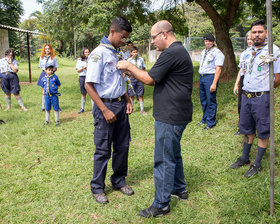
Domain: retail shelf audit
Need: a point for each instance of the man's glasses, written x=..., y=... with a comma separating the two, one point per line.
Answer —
x=154, y=36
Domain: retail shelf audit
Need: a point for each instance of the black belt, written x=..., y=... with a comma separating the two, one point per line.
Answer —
x=108, y=100
x=207, y=74
x=254, y=94
x=8, y=73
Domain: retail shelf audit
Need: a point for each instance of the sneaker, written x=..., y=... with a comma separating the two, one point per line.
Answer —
x=143, y=112
x=43, y=109
x=238, y=163
x=46, y=123
x=23, y=108
x=81, y=111
x=180, y=195
x=2, y=122
x=100, y=198
x=253, y=170
x=57, y=123
x=154, y=212
x=206, y=128
x=127, y=190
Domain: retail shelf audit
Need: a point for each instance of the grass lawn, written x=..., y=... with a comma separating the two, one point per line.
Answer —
x=45, y=171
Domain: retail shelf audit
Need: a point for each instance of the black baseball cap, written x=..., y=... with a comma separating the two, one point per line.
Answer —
x=209, y=37
x=49, y=66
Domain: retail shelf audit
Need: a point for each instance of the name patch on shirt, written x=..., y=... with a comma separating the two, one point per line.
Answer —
x=95, y=57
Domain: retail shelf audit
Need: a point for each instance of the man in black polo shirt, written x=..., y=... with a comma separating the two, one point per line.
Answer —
x=172, y=76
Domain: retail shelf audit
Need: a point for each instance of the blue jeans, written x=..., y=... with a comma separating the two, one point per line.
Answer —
x=168, y=164
x=208, y=100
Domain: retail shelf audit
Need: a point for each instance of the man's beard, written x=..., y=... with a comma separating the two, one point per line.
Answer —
x=259, y=43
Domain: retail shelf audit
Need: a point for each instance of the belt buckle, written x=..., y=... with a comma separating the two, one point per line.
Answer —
x=249, y=95
x=119, y=99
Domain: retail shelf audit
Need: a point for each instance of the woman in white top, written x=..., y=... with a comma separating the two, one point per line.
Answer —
x=81, y=68
x=47, y=58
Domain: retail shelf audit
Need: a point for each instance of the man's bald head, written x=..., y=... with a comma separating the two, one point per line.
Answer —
x=163, y=26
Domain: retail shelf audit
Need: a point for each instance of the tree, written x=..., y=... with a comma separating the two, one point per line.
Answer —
x=10, y=12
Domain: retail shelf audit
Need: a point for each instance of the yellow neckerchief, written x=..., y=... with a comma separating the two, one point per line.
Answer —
x=48, y=83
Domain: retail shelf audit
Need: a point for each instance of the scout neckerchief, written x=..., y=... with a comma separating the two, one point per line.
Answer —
x=255, y=52
x=205, y=54
x=48, y=84
x=106, y=43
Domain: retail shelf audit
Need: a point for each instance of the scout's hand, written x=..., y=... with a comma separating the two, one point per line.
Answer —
x=109, y=116
x=213, y=88
x=235, y=89
x=129, y=108
x=123, y=65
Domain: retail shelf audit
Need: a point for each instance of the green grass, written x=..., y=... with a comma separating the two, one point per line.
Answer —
x=45, y=171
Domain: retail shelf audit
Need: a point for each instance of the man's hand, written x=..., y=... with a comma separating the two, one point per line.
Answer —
x=235, y=89
x=123, y=65
x=213, y=88
x=109, y=116
x=129, y=108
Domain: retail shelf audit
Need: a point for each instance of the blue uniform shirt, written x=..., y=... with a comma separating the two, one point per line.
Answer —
x=209, y=60
x=139, y=62
x=243, y=57
x=256, y=78
x=102, y=71
x=81, y=64
x=50, y=84
x=47, y=61
x=126, y=55
x=5, y=67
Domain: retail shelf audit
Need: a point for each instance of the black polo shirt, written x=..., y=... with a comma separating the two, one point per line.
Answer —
x=173, y=75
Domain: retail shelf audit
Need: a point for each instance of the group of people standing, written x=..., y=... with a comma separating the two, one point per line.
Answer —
x=102, y=75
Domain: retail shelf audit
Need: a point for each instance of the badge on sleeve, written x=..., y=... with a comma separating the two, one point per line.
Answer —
x=95, y=57
x=259, y=68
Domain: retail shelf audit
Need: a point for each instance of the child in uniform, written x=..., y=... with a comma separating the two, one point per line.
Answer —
x=137, y=85
x=50, y=84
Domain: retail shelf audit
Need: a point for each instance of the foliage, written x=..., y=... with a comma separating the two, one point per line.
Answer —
x=46, y=171
x=10, y=12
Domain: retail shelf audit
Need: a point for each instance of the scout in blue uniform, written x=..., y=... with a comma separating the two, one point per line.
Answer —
x=239, y=79
x=211, y=62
x=106, y=86
x=10, y=82
x=81, y=68
x=127, y=55
x=254, y=114
x=50, y=85
x=47, y=58
x=138, y=86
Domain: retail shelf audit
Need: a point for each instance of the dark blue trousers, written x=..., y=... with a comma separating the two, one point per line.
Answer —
x=208, y=100
x=105, y=134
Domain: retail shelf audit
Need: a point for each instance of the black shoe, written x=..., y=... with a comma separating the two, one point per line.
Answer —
x=46, y=123
x=81, y=111
x=100, y=198
x=57, y=123
x=238, y=163
x=127, y=190
x=154, y=212
x=180, y=195
x=236, y=133
x=43, y=109
x=200, y=123
x=206, y=128
x=2, y=122
x=253, y=170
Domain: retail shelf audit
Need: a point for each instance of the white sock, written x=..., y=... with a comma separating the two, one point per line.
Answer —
x=47, y=116
x=19, y=100
x=43, y=102
x=83, y=101
x=56, y=114
x=142, y=106
x=8, y=101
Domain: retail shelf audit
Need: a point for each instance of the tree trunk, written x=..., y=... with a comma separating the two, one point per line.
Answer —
x=225, y=45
